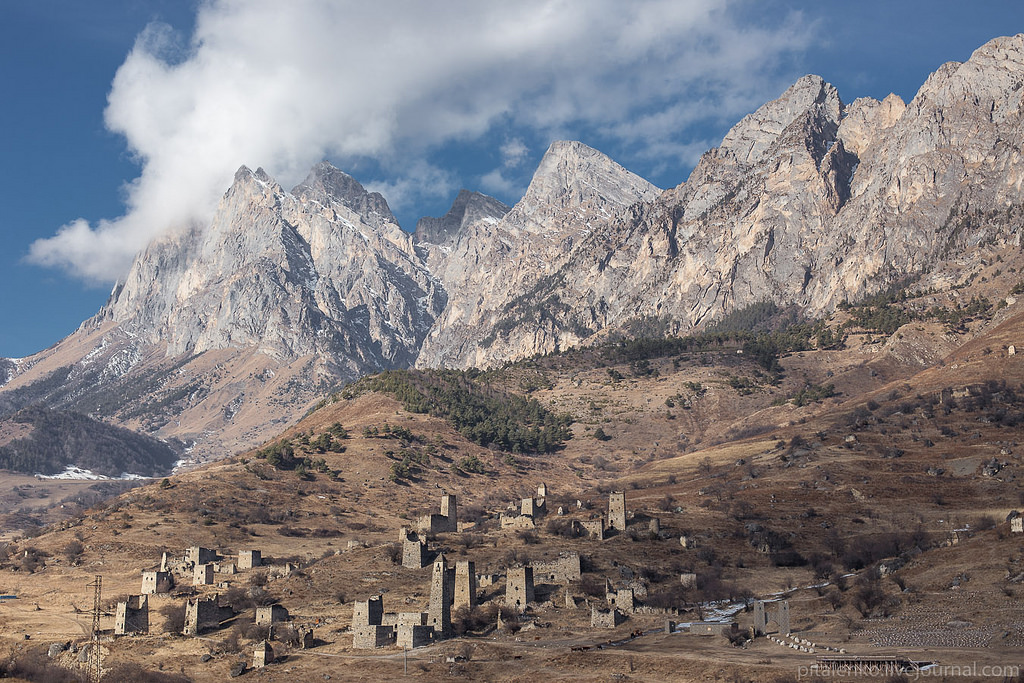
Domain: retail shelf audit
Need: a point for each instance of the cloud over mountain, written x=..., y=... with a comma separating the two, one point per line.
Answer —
x=282, y=85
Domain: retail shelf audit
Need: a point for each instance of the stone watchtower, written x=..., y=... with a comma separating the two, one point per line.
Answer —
x=617, y=510
x=442, y=588
x=519, y=587
x=369, y=612
x=450, y=510
x=465, y=585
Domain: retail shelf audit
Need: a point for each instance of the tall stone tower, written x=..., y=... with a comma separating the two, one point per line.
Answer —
x=450, y=509
x=442, y=585
x=760, y=618
x=617, y=510
x=519, y=587
x=465, y=585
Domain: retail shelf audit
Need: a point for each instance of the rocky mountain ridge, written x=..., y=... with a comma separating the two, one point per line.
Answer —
x=220, y=331
x=807, y=202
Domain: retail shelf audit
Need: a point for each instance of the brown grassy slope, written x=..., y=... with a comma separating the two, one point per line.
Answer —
x=798, y=482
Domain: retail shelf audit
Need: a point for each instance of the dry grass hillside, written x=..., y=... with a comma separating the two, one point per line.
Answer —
x=878, y=507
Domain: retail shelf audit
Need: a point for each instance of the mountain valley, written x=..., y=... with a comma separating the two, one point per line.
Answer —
x=801, y=367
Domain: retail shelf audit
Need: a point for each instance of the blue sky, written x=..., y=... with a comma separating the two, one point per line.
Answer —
x=412, y=100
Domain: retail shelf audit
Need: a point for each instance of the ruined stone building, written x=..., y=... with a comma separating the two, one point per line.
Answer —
x=197, y=555
x=368, y=612
x=594, y=528
x=446, y=522
x=156, y=582
x=250, y=559
x=622, y=598
x=414, y=550
x=271, y=614
x=412, y=630
x=533, y=507
x=202, y=614
x=566, y=569
x=605, y=618
x=132, y=615
x=368, y=630
x=517, y=521
x=203, y=575
x=414, y=635
x=262, y=655
x=519, y=587
x=1017, y=525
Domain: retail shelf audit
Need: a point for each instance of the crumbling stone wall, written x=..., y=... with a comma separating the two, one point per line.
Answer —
x=605, y=618
x=711, y=628
x=156, y=582
x=132, y=615
x=202, y=614
x=250, y=559
x=265, y=616
x=565, y=569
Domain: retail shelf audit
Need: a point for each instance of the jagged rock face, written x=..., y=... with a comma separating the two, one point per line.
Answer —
x=290, y=273
x=808, y=201
x=467, y=209
x=492, y=265
x=436, y=238
x=7, y=370
x=220, y=335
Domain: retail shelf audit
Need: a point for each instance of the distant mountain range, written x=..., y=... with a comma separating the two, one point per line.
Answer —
x=222, y=334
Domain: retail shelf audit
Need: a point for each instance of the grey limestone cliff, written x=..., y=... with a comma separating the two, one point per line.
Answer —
x=323, y=269
x=492, y=265
x=807, y=202
x=220, y=330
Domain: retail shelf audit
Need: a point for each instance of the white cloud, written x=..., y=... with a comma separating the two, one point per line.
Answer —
x=418, y=181
x=513, y=153
x=283, y=85
x=495, y=183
